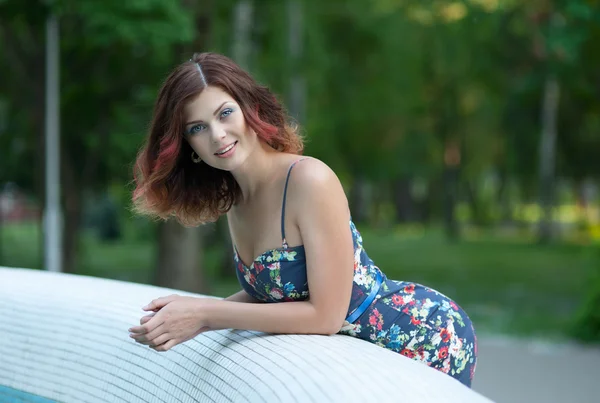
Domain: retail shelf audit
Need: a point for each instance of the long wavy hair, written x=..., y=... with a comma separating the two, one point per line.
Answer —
x=167, y=182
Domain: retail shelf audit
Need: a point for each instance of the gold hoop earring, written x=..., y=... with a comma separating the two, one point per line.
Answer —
x=196, y=158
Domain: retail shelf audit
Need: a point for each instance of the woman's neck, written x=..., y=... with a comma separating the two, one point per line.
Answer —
x=257, y=172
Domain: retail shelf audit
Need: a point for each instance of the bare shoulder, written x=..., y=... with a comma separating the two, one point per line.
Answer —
x=312, y=173
x=312, y=179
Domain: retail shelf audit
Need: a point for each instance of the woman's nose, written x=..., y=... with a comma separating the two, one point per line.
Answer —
x=218, y=133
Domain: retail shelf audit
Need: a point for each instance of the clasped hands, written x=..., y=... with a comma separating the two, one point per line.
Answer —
x=173, y=319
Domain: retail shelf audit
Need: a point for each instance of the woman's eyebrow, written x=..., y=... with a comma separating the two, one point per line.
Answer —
x=217, y=110
x=214, y=114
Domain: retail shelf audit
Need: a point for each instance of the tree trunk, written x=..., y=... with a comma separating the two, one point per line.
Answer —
x=72, y=205
x=450, y=184
x=179, y=258
x=225, y=269
x=450, y=198
x=547, y=156
x=360, y=199
x=297, y=85
x=426, y=203
x=472, y=197
x=71, y=229
x=242, y=25
x=38, y=165
x=403, y=200
x=503, y=198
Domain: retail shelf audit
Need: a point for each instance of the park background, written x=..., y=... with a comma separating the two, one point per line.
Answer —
x=465, y=132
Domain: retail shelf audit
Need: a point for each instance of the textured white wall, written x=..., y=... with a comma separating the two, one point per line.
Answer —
x=65, y=338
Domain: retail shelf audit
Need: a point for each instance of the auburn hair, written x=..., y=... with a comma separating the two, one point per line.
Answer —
x=167, y=182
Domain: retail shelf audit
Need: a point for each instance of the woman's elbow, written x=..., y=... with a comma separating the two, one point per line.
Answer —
x=331, y=325
x=327, y=321
x=330, y=331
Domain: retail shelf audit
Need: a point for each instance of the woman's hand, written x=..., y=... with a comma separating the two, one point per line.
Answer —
x=174, y=319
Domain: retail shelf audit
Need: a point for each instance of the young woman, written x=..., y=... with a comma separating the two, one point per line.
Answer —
x=219, y=144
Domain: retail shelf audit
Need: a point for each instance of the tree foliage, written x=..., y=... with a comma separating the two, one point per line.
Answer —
x=396, y=89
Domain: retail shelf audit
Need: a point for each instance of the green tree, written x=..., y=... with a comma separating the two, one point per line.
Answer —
x=113, y=54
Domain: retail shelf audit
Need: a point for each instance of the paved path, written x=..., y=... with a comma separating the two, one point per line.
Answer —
x=517, y=370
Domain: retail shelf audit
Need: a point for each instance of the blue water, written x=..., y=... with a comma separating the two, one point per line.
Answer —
x=10, y=395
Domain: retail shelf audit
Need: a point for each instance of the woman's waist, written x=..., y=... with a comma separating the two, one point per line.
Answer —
x=366, y=287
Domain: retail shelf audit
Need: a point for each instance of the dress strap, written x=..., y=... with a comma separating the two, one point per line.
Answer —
x=287, y=179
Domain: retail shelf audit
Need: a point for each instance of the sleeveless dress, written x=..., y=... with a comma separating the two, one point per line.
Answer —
x=408, y=318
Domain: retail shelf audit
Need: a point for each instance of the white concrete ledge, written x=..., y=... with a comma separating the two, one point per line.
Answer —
x=64, y=338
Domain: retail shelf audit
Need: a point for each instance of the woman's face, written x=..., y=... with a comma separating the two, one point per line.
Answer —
x=216, y=129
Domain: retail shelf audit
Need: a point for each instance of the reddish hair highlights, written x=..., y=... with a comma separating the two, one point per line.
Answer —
x=167, y=182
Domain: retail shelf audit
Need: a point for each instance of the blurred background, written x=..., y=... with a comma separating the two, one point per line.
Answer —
x=466, y=133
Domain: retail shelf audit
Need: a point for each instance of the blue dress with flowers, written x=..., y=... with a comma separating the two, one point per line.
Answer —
x=408, y=318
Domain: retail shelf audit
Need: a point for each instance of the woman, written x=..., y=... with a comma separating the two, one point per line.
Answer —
x=219, y=144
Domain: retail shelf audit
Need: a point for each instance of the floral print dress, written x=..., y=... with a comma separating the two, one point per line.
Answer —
x=408, y=318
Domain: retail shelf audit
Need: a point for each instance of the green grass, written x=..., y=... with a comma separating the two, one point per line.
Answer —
x=127, y=260
x=506, y=284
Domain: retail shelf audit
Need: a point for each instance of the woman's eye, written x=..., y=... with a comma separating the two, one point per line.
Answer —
x=226, y=112
x=196, y=129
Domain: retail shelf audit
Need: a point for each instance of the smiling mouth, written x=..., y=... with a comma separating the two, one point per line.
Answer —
x=229, y=147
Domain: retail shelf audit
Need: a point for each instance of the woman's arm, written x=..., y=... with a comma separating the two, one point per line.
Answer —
x=242, y=296
x=285, y=317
